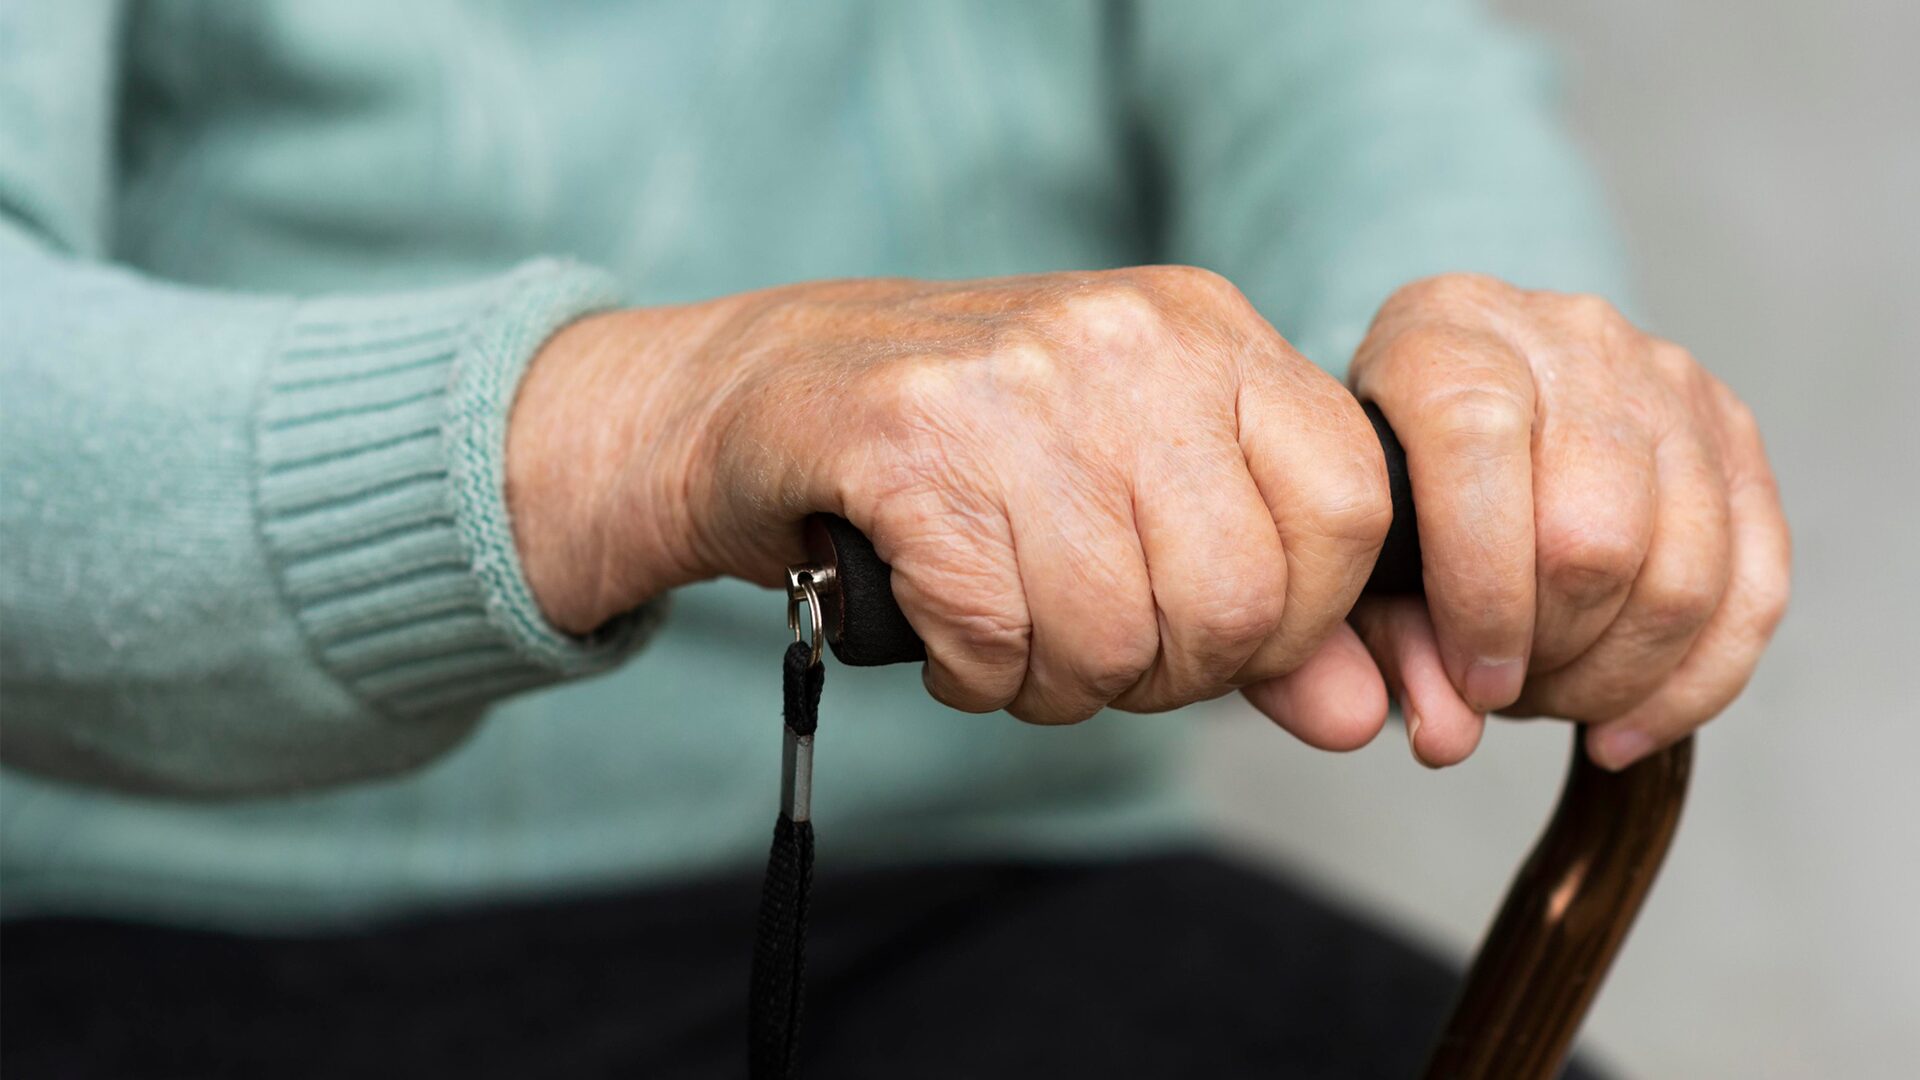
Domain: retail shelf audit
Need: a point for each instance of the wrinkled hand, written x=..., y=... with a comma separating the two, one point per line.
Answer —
x=1125, y=488
x=1111, y=488
x=1601, y=535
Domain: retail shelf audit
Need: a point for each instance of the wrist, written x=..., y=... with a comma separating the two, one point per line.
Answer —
x=604, y=442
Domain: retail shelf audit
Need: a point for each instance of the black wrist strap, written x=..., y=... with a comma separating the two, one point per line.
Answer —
x=778, y=987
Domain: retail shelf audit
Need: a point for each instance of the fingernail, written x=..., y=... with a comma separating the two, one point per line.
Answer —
x=1494, y=684
x=1617, y=748
x=1413, y=729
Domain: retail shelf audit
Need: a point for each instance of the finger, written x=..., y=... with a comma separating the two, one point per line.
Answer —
x=1217, y=568
x=1333, y=701
x=959, y=586
x=1593, y=508
x=1678, y=588
x=1089, y=599
x=1442, y=729
x=1722, y=660
x=1317, y=464
x=1463, y=405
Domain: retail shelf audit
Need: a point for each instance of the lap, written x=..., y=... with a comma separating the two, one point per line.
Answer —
x=1177, y=965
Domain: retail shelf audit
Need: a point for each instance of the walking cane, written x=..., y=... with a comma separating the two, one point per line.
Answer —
x=1543, y=959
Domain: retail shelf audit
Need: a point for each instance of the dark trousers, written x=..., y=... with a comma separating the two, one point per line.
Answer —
x=1172, y=966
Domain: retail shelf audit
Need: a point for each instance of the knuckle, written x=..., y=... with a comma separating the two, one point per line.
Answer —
x=1042, y=712
x=910, y=387
x=1356, y=508
x=1585, y=565
x=963, y=692
x=1195, y=288
x=1442, y=354
x=1491, y=608
x=1770, y=599
x=991, y=640
x=1454, y=289
x=1473, y=417
x=1113, y=663
x=1236, y=621
x=1503, y=607
x=1023, y=363
x=1677, y=365
x=1675, y=607
x=1591, y=312
x=1739, y=415
x=1182, y=278
x=1115, y=313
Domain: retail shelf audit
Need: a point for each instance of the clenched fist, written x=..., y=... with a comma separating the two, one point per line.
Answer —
x=1126, y=489
x=1601, y=535
x=1117, y=488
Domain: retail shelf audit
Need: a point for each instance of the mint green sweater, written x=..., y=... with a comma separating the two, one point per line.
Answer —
x=269, y=274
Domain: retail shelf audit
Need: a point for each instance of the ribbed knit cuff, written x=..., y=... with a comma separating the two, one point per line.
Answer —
x=381, y=443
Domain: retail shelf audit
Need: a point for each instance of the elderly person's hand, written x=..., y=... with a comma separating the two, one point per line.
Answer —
x=1601, y=535
x=1126, y=489
x=1095, y=488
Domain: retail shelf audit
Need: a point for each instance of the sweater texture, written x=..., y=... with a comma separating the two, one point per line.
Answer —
x=270, y=273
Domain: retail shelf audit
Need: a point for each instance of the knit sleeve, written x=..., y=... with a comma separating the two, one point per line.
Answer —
x=1322, y=155
x=255, y=543
x=248, y=543
x=379, y=443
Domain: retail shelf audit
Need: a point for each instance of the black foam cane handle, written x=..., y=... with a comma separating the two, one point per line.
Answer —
x=866, y=628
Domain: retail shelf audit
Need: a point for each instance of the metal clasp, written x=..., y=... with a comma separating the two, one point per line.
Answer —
x=805, y=583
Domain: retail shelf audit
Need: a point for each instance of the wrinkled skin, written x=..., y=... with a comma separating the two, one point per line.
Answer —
x=1126, y=489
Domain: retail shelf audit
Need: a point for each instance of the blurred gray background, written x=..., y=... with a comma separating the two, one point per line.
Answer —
x=1764, y=158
